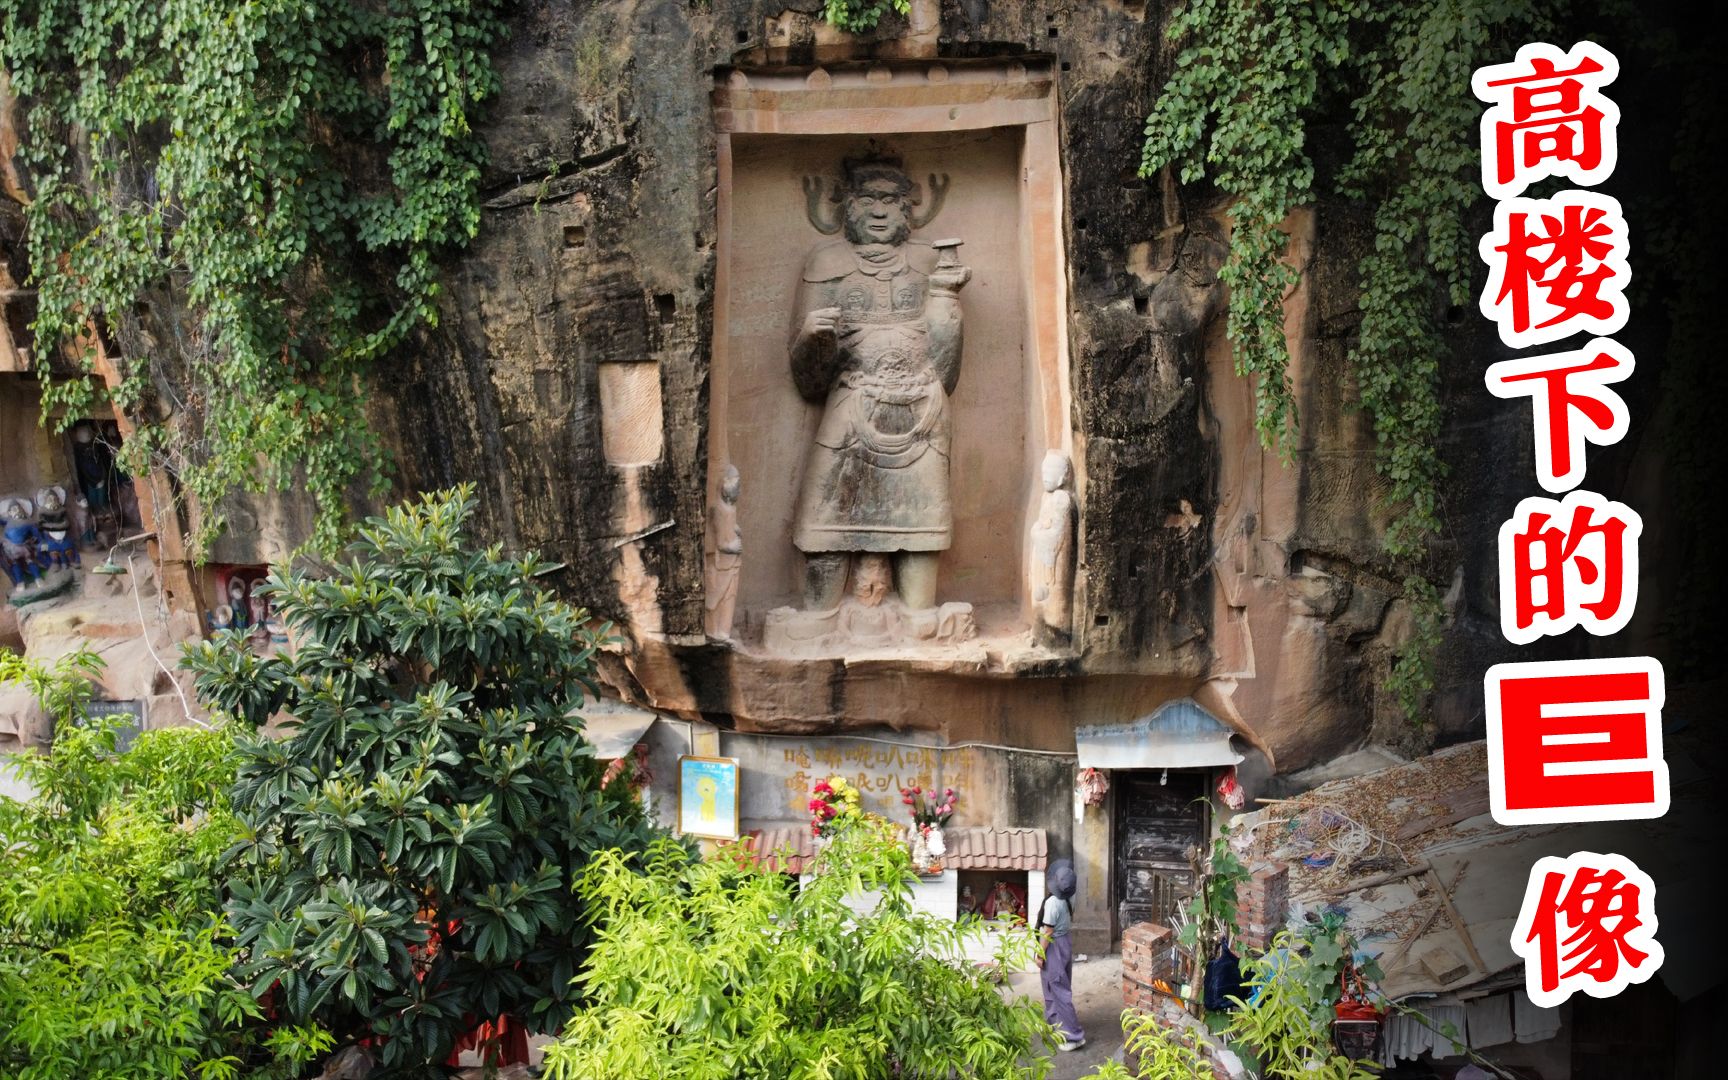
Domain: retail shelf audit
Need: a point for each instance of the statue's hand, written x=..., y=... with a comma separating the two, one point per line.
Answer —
x=820, y=323
x=949, y=279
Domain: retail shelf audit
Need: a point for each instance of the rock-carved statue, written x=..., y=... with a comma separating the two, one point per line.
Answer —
x=876, y=341
x=59, y=542
x=725, y=558
x=1051, y=569
x=18, y=542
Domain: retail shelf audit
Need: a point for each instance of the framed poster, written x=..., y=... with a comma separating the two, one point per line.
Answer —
x=708, y=797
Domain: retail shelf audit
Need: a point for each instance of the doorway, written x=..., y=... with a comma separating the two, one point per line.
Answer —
x=1159, y=815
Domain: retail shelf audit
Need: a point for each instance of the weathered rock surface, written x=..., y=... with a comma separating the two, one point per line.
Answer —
x=1206, y=567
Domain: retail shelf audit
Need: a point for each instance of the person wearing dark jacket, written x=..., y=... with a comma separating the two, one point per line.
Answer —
x=1056, y=955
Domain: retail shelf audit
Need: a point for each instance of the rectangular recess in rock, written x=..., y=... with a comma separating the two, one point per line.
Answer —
x=989, y=128
x=632, y=427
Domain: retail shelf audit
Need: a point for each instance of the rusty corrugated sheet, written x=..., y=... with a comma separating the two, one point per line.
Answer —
x=786, y=848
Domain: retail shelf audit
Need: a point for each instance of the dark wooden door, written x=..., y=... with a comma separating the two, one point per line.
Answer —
x=1156, y=824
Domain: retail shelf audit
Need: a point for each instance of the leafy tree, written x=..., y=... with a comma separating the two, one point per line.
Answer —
x=406, y=858
x=114, y=961
x=723, y=970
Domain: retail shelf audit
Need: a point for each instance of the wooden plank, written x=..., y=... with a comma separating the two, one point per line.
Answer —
x=1460, y=806
x=1457, y=921
x=1382, y=879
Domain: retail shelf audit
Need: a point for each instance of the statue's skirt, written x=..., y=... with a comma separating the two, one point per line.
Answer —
x=877, y=475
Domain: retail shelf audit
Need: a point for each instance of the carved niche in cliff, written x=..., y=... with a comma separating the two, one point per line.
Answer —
x=887, y=401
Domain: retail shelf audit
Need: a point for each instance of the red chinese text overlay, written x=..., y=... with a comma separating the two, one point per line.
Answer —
x=1588, y=924
x=1576, y=740
x=1571, y=405
x=1548, y=118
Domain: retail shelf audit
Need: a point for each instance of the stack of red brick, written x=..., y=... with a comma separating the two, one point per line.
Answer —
x=1146, y=957
x=1262, y=905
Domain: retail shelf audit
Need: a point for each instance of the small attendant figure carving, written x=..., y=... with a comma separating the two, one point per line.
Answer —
x=870, y=621
x=1051, y=571
x=725, y=558
x=876, y=341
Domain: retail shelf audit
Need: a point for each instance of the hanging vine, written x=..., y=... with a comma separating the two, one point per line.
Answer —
x=1248, y=75
x=288, y=171
x=857, y=15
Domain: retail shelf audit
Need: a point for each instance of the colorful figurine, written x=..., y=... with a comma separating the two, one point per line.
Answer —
x=58, y=545
x=18, y=543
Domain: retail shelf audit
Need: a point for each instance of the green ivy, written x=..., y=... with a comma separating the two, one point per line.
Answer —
x=1249, y=77
x=288, y=171
x=856, y=15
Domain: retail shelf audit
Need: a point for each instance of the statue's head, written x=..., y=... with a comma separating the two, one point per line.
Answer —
x=237, y=590
x=878, y=200
x=1055, y=471
x=730, y=485
x=49, y=500
x=14, y=510
x=84, y=433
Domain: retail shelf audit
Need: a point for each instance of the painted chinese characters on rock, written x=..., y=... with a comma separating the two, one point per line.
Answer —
x=879, y=771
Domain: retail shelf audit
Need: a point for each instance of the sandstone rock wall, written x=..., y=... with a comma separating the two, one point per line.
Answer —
x=569, y=379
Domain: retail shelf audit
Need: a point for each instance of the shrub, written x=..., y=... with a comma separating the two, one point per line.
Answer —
x=405, y=864
x=1287, y=1018
x=721, y=969
x=115, y=961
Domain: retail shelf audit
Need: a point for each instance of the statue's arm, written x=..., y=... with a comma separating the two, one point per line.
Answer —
x=942, y=313
x=814, y=348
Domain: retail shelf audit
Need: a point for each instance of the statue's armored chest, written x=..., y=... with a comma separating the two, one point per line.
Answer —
x=891, y=295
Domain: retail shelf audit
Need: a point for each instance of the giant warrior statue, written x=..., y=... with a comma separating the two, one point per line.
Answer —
x=876, y=341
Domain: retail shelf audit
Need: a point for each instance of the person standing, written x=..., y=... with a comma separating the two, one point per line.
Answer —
x=1056, y=955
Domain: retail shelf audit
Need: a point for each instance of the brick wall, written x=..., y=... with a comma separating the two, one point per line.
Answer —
x=1146, y=957
x=1262, y=904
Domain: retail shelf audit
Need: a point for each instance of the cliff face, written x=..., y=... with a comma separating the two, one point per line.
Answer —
x=569, y=378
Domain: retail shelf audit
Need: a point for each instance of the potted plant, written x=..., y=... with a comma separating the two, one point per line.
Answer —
x=834, y=803
x=929, y=814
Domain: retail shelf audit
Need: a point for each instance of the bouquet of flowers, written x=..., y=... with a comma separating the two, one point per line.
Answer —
x=833, y=803
x=928, y=811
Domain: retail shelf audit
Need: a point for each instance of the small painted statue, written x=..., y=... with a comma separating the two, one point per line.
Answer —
x=18, y=543
x=59, y=544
